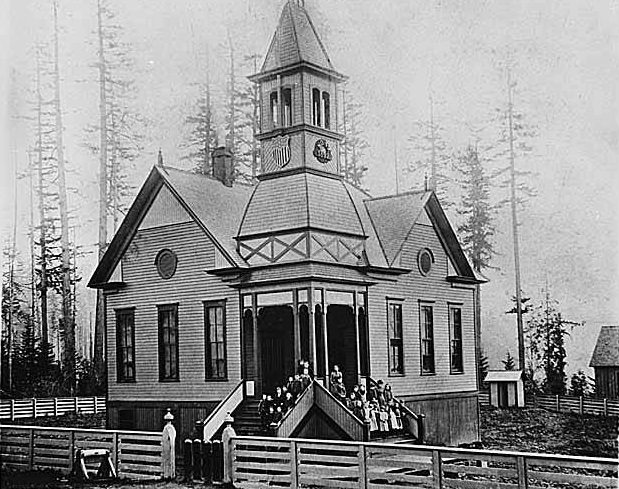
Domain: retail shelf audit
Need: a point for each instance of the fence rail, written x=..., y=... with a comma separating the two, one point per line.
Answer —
x=570, y=404
x=260, y=462
x=135, y=454
x=34, y=408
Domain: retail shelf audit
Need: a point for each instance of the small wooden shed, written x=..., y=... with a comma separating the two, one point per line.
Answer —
x=605, y=362
x=506, y=388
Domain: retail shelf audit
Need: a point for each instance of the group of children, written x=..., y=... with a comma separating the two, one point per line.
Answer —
x=377, y=406
x=272, y=408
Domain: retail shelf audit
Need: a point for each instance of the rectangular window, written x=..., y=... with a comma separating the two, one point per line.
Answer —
x=125, y=345
x=215, y=340
x=455, y=337
x=287, y=107
x=427, y=338
x=168, y=342
x=396, y=348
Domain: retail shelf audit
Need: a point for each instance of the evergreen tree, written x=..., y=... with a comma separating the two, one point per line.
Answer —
x=509, y=363
x=202, y=137
x=355, y=144
x=580, y=385
x=547, y=330
x=477, y=228
x=431, y=158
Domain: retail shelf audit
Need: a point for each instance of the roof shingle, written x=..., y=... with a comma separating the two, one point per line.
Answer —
x=606, y=353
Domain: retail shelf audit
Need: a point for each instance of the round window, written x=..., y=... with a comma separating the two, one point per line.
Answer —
x=166, y=262
x=425, y=261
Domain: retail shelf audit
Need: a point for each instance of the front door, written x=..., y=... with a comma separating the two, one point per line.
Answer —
x=276, y=326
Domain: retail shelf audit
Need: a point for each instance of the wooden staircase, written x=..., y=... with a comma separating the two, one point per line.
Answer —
x=247, y=420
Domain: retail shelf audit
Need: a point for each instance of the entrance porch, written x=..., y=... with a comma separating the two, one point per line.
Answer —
x=324, y=326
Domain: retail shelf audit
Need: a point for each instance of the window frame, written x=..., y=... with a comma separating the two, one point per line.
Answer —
x=395, y=341
x=325, y=106
x=207, y=305
x=163, y=308
x=423, y=340
x=274, y=109
x=452, y=339
x=316, y=107
x=120, y=377
x=287, y=103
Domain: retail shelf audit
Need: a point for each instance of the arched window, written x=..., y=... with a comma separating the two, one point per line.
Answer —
x=287, y=107
x=326, y=109
x=274, y=109
x=316, y=106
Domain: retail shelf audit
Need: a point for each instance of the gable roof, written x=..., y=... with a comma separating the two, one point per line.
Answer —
x=295, y=41
x=606, y=352
x=205, y=199
x=393, y=218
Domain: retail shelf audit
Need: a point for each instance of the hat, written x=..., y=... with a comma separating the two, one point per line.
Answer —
x=168, y=416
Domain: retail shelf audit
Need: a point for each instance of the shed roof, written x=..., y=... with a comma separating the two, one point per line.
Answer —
x=503, y=376
x=606, y=352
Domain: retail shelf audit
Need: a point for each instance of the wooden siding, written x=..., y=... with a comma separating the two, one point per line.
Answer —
x=165, y=210
x=412, y=288
x=189, y=287
x=607, y=382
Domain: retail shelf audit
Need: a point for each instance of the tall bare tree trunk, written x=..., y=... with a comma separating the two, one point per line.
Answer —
x=254, y=127
x=41, y=203
x=68, y=322
x=232, y=135
x=100, y=309
x=433, y=177
x=512, y=174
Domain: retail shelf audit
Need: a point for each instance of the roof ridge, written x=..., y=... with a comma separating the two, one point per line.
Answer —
x=401, y=194
x=202, y=175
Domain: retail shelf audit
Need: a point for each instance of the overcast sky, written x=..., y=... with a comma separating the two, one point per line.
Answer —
x=396, y=53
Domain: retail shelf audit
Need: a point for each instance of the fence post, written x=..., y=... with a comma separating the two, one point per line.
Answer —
x=71, y=449
x=34, y=407
x=76, y=405
x=115, y=452
x=197, y=458
x=421, y=428
x=31, y=449
x=294, y=467
x=437, y=469
x=363, y=475
x=207, y=461
x=55, y=406
x=187, y=449
x=94, y=404
x=12, y=409
x=558, y=403
x=521, y=467
x=605, y=407
x=580, y=405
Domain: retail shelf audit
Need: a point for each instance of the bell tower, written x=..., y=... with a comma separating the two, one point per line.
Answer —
x=298, y=99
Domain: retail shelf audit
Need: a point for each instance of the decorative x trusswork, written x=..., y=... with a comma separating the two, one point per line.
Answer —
x=274, y=248
x=336, y=247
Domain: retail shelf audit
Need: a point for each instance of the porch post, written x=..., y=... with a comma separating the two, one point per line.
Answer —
x=312, y=331
x=325, y=339
x=297, y=328
x=355, y=307
x=256, y=346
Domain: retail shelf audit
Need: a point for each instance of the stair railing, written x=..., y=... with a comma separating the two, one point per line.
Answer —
x=413, y=423
x=355, y=428
x=296, y=413
x=215, y=420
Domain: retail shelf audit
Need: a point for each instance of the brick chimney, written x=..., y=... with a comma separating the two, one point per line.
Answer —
x=223, y=166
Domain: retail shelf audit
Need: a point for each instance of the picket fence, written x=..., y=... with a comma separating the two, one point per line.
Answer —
x=293, y=463
x=34, y=408
x=135, y=454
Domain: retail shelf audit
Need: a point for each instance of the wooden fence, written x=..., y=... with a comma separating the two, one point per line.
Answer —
x=33, y=408
x=135, y=454
x=263, y=462
x=570, y=404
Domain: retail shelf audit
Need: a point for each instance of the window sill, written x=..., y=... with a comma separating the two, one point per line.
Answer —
x=125, y=381
x=216, y=379
x=396, y=374
x=428, y=374
x=456, y=373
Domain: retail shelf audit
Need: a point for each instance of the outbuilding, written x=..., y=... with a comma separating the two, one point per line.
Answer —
x=506, y=388
x=605, y=362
